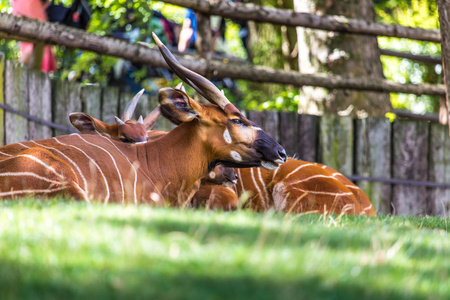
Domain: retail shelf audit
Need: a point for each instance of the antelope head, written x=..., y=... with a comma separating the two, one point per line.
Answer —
x=221, y=175
x=125, y=129
x=224, y=129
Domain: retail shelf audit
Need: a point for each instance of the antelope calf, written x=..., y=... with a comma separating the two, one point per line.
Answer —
x=296, y=186
x=93, y=167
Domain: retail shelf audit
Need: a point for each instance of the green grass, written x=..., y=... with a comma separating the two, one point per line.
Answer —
x=67, y=250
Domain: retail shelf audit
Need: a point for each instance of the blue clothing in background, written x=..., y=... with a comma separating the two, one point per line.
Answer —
x=191, y=15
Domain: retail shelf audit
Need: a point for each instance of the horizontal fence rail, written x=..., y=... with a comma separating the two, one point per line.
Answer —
x=251, y=12
x=51, y=33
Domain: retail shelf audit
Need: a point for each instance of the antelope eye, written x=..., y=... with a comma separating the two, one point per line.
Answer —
x=126, y=140
x=237, y=122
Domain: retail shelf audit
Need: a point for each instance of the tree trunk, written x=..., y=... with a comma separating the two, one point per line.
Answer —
x=342, y=54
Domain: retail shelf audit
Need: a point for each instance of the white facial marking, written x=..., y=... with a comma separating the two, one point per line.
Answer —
x=212, y=175
x=236, y=156
x=227, y=136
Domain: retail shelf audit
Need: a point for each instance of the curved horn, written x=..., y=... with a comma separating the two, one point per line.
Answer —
x=129, y=109
x=202, y=85
x=119, y=121
x=150, y=120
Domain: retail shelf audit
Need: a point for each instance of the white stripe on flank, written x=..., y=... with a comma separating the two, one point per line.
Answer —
x=266, y=196
x=352, y=187
x=302, y=166
x=93, y=162
x=29, y=174
x=38, y=161
x=275, y=172
x=238, y=171
x=322, y=193
x=46, y=191
x=23, y=145
x=6, y=154
x=68, y=158
x=134, y=169
x=256, y=185
x=313, y=177
x=115, y=165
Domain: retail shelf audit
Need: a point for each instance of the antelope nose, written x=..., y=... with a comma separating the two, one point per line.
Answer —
x=282, y=154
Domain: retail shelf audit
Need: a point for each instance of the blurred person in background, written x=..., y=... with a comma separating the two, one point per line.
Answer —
x=34, y=54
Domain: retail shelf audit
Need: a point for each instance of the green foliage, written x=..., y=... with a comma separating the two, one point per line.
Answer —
x=69, y=250
x=413, y=13
x=257, y=100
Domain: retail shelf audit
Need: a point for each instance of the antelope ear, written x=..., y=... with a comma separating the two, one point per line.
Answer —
x=87, y=124
x=177, y=106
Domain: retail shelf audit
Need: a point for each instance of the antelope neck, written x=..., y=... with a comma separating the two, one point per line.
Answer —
x=178, y=156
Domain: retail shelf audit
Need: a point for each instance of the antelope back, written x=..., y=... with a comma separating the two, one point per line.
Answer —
x=299, y=186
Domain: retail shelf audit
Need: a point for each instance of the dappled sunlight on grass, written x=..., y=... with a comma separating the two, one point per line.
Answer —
x=61, y=250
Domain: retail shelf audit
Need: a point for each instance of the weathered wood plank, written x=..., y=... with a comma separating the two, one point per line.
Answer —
x=271, y=124
x=438, y=200
x=373, y=159
x=110, y=104
x=2, y=99
x=66, y=99
x=410, y=150
x=92, y=100
x=444, y=20
x=16, y=96
x=336, y=143
x=257, y=117
x=288, y=132
x=40, y=104
x=308, y=137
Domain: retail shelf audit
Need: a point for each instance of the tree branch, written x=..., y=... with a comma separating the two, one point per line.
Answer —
x=287, y=17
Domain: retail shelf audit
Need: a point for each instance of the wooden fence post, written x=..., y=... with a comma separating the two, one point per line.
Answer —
x=91, y=96
x=288, y=132
x=66, y=99
x=110, y=105
x=438, y=200
x=444, y=20
x=271, y=122
x=40, y=103
x=16, y=96
x=410, y=161
x=308, y=137
x=2, y=99
x=204, y=40
x=373, y=159
x=336, y=143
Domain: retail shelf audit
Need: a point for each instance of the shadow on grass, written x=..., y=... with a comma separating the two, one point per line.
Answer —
x=351, y=239
x=18, y=281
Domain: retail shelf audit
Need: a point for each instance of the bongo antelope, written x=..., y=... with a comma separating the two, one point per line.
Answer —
x=93, y=167
x=296, y=186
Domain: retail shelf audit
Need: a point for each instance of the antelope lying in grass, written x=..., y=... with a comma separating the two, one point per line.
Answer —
x=93, y=167
x=130, y=131
x=296, y=186
x=125, y=129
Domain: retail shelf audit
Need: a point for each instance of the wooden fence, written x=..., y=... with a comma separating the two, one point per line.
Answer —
x=404, y=166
